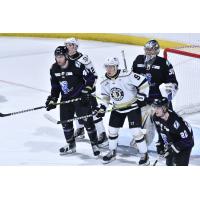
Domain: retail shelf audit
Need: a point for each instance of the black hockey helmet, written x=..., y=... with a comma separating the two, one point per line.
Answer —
x=61, y=50
x=152, y=47
x=162, y=102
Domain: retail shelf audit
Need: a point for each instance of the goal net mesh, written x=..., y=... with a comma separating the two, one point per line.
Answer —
x=186, y=63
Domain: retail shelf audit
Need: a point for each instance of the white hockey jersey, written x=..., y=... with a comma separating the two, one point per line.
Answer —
x=122, y=90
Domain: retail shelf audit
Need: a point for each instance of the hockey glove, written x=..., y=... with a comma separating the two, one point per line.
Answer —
x=159, y=148
x=170, y=149
x=100, y=111
x=86, y=96
x=141, y=100
x=50, y=103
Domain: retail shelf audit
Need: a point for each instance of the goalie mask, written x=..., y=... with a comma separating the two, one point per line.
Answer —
x=151, y=49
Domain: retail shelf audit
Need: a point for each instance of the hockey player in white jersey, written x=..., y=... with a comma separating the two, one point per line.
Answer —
x=127, y=92
x=72, y=45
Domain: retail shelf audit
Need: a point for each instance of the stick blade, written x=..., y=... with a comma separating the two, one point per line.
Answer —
x=50, y=118
x=4, y=115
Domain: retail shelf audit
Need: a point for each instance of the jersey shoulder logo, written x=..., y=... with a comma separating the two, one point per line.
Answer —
x=84, y=60
x=117, y=94
x=176, y=125
x=77, y=64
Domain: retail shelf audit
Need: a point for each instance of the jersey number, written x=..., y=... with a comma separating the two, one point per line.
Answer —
x=137, y=77
x=184, y=134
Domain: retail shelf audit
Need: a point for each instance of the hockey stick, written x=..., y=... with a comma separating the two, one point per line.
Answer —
x=50, y=118
x=144, y=120
x=99, y=98
x=124, y=59
x=36, y=108
x=156, y=161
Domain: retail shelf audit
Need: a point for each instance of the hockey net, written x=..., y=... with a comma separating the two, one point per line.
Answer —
x=186, y=63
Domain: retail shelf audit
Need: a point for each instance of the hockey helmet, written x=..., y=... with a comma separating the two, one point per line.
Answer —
x=73, y=41
x=112, y=61
x=152, y=48
x=162, y=102
x=60, y=50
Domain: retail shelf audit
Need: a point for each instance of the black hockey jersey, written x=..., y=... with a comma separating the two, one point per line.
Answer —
x=70, y=81
x=160, y=71
x=175, y=130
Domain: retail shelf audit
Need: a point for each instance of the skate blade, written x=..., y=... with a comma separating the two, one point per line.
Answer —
x=107, y=162
x=80, y=137
x=67, y=153
x=98, y=156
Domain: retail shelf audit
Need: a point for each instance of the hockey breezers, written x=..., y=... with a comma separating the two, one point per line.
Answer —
x=36, y=108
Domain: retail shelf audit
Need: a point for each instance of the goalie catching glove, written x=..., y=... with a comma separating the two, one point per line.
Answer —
x=168, y=90
x=50, y=103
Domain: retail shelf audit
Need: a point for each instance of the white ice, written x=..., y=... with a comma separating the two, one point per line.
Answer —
x=29, y=139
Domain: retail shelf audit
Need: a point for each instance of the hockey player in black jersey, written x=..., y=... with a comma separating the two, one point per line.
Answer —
x=73, y=54
x=72, y=81
x=175, y=135
x=161, y=77
x=157, y=70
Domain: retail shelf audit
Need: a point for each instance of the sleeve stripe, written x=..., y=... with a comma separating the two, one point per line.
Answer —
x=144, y=84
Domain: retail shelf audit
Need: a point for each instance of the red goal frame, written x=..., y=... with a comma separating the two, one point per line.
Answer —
x=181, y=51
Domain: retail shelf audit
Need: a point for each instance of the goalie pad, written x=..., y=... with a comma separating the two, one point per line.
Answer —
x=148, y=125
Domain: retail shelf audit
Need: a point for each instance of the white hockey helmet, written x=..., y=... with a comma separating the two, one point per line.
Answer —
x=73, y=41
x=112, y=61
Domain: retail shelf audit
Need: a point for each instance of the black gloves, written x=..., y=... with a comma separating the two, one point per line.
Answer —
x=170, y=149
x=141, y=99
x=100, y=111
x=50, y=103
x=86, y=96
x=160, y=148
x=167, y=150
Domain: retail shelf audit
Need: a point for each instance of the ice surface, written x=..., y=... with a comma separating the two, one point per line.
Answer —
x=30, y=139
